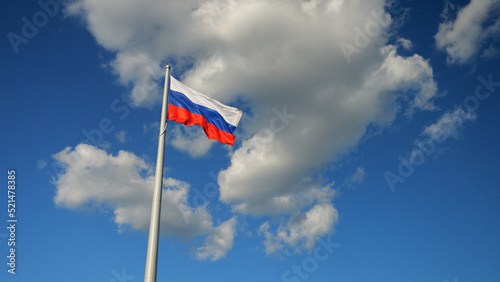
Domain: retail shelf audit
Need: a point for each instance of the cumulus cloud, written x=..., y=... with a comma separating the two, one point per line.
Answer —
x=474, y=26
x=219, y=242
x=309, y=105
x=124, y=184
x=142, y=72
x=301, y=231
x=190, y=139
x=274, y=164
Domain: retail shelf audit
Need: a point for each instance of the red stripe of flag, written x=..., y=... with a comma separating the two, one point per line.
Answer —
x=183, y=116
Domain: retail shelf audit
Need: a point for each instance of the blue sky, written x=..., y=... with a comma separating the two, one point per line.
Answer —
x=368, y=148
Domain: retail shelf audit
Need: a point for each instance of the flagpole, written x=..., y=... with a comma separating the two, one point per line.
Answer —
x=154, y=226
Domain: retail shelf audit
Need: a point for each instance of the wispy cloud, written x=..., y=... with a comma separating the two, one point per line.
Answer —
x=41, y=164
x=475, y=26
x=357, y=178
x=448, y=125
x=151, y=127
x=122, y=136
x=445, y=127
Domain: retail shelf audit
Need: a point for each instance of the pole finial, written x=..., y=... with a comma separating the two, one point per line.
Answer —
x=167, y=66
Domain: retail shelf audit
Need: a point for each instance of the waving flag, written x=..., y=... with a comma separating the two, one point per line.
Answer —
x=188, y=106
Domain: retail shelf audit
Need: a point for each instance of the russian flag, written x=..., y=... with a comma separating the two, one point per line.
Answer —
x=188, y=106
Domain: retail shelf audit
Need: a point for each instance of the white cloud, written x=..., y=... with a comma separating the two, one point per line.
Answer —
x=474, y=26
x=282, y=58
x=41, y=164
x=304, y=194
x=358, y=177
x=301, y=231
x=411, y=75
x=190, y=139
x=270, y=167
x=151, y=127
x=219, y=242
x=448, y=125
x=124, y=184
x=405, y=43
x=122, y=136
x=143, y=73
x=490, y=53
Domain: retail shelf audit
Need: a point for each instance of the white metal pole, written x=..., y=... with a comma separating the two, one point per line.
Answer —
x=154, y=226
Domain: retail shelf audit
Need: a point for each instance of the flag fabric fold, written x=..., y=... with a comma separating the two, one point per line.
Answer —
x=188, y=106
